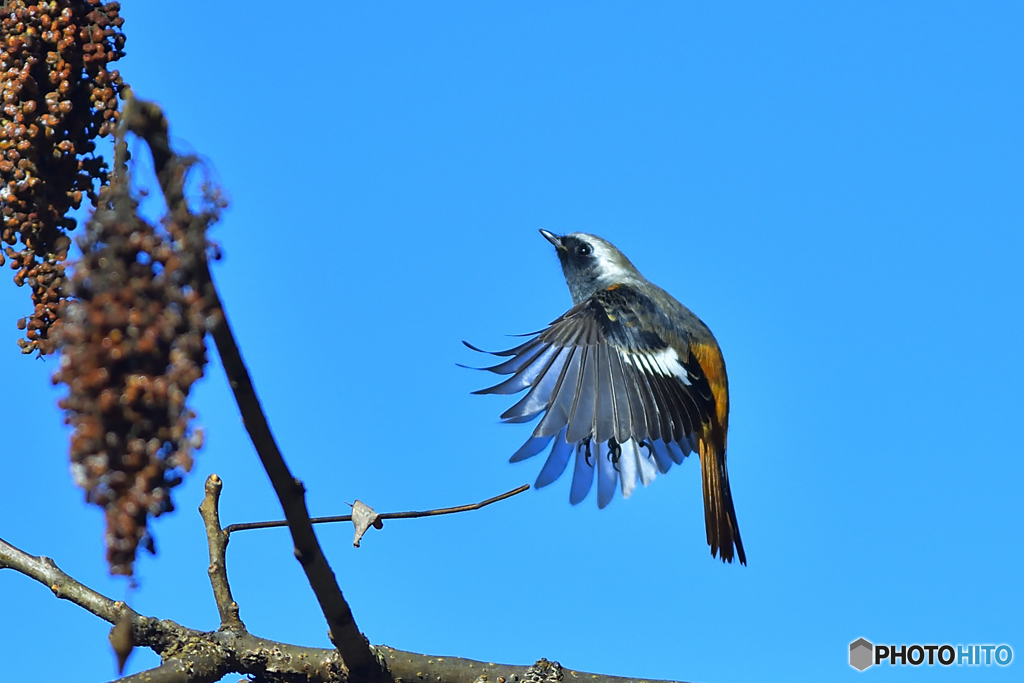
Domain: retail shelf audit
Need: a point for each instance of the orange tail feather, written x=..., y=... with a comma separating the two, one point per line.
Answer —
x=719, y=514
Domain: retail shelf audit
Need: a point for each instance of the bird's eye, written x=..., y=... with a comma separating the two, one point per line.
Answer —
x=584, y=250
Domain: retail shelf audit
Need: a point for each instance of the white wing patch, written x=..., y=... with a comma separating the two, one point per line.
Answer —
x=664, y=362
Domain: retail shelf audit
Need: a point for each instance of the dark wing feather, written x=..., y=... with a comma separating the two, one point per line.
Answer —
x=533, y=446
x=604, y=412
x=556, y=462
x=514, y=364
x=560, y=407
x=667, y=410
x=525, y=375
x=581, y=420
x=542, y=385
x=625, y=427
x=607, y=475
x=582, y=476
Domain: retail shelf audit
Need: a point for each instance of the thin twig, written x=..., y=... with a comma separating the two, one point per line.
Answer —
x=217, y=539
x=147, y=120
x=246, y=526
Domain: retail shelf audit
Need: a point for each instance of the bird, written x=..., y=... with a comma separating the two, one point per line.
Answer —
x=629, y=380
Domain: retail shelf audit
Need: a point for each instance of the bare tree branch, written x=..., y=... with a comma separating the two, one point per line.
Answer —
x=208, y=656
x=232, y=528
x=46, y=572
x=171, y=671
x=218, y=542
x=147, y=120
x=409, y=667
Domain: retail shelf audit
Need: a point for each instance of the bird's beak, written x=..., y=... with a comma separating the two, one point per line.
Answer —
x=553, y=238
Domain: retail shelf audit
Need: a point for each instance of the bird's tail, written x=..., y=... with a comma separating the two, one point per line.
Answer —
x=719, y=513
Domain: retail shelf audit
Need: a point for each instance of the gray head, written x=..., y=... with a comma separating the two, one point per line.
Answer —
x=590, y=264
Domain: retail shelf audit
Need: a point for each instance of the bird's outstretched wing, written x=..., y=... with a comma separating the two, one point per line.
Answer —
x=613, y=387
x=630, y=392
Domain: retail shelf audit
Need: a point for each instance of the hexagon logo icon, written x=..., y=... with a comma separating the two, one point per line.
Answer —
x=861, y=654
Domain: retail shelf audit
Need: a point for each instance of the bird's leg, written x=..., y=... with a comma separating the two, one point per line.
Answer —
x=646, y=443
x=614, y=452
x=584, y=445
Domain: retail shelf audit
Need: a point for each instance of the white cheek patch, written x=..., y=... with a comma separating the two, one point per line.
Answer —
x=664, y=362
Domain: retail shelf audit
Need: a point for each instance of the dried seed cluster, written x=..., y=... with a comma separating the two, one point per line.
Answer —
x=132, y=345
x=58, y=96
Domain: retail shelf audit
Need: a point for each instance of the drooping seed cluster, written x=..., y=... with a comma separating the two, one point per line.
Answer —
x=132, y=345
x=58, y=96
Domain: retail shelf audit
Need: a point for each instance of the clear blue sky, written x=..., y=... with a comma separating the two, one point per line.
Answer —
x=837, y=189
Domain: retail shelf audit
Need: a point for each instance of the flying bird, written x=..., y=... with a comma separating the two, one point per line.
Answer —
x=628, y=380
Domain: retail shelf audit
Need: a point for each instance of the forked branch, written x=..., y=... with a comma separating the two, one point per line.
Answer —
x=208, y=656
